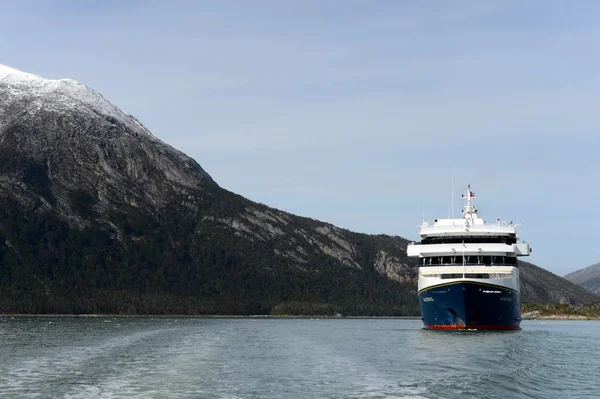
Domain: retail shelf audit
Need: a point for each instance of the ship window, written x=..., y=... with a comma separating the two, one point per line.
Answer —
x=477, y=275
x=451, y=275
x=471, y=260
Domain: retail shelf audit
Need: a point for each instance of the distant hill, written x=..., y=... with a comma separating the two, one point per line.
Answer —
x=99, y=216
x=588, y=278
x=542, y=287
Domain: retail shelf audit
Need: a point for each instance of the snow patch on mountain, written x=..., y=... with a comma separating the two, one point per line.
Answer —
x=49, y=113
x=57, y=95
x=8, y=73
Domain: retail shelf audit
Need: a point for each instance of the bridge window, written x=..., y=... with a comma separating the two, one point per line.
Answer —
x=451, y=275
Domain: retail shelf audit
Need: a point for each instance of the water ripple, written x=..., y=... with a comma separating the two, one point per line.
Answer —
x=265, y=358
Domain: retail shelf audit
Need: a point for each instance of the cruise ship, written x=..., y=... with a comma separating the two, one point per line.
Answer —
x=468, y=272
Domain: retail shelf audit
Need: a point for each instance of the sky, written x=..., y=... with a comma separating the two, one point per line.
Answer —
x=365, y=114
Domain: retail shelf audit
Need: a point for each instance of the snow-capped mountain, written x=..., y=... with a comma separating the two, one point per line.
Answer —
x=36, y=93
x=80, y=140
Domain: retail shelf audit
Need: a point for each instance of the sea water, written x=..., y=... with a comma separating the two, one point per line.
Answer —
x=114, y=357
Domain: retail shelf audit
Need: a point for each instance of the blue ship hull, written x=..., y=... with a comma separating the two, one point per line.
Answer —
x=465, y=305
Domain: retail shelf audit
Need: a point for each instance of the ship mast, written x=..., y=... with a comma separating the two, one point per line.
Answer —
x=469, y=208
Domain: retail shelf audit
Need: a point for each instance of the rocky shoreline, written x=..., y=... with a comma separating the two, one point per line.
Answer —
x=537, y=315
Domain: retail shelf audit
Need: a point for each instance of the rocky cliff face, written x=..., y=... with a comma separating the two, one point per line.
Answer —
x=98, y=215
x=588, y=278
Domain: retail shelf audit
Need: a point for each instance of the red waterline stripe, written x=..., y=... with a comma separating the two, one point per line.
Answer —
x=455, y=327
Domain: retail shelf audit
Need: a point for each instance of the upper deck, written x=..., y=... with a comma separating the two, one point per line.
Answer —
x=460, y=227
x=471, y=232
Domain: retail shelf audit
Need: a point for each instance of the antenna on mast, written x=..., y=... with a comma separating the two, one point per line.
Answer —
x=452, y=214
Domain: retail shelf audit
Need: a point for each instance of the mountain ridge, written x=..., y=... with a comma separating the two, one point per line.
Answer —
x=588, y=278
x=97, y=215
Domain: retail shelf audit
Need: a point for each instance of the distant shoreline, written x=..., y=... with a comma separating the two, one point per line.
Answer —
x=561, y=317
x=561, y=312
x=209, y=316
